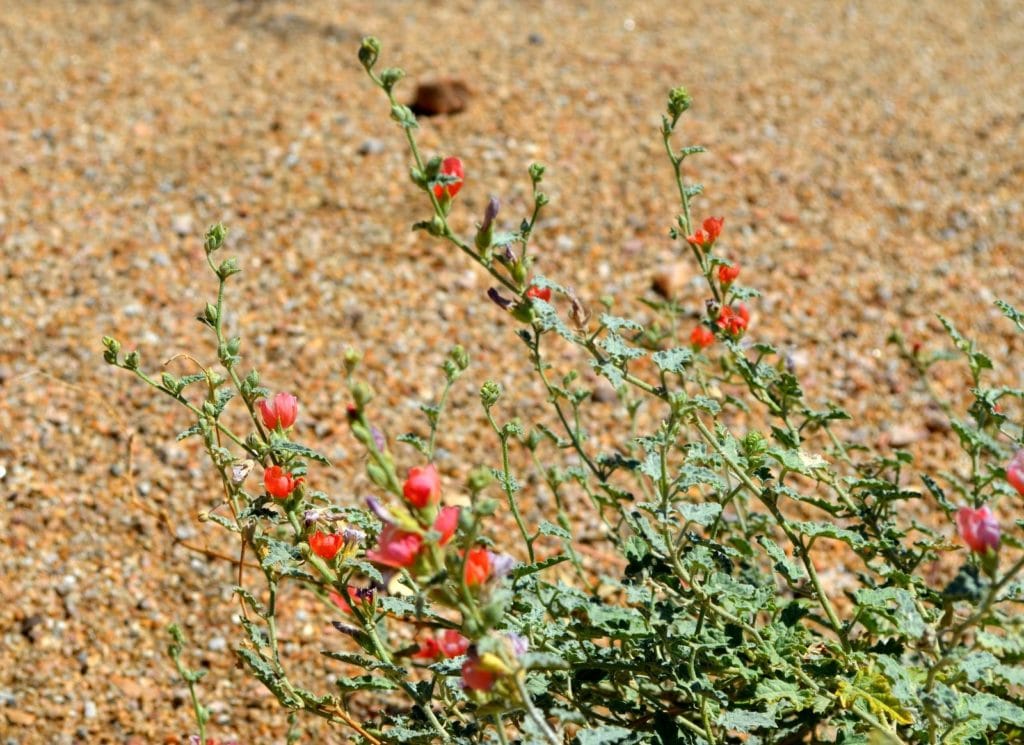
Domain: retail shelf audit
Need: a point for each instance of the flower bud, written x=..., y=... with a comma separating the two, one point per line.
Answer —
x=485, y=233
x=227, y=268
x=978, y=529
x=369, y=51
x=352, y=359
x=374, y=505
x=279, y=412
x=460, y=357
x=679, y=100
x=423, y=486
x=214, y=238
x=453, y=169
x=113, y=348
x=390, y=76
x=363, y=394
x=131, y=361
x=490, y=392
x=1015, y=472
x=499, y=300
x=478, y=479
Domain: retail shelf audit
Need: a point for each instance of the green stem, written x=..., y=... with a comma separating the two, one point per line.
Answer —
x=435, y=423
x=198, y=412
x=534, y=714
x=510, y=494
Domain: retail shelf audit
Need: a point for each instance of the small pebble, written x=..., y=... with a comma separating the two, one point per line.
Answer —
x=371, y=146
x=182, y=225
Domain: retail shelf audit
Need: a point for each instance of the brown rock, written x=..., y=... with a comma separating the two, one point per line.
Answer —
x=20, y=718
x=604, y=393
x=669, y=282
x=440, y=97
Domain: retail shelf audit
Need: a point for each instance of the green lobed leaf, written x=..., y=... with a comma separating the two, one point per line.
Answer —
x=365, y=683
x=673, y=360
x=740, y=720
x=524, y=570
x=549, y=528
x=704, y=514
x=895, y=604
x=616, y=324
x=286, y=447
x=611, y=371
x=369, y=663
x=829, y=530
x=784, y=565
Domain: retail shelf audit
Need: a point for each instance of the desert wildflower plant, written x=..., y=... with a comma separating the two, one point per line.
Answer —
x=713, y=624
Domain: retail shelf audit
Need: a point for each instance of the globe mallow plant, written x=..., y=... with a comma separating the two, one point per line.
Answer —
x=710, y=621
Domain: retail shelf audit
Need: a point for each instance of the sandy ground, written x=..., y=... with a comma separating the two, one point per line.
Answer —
x=867, y=157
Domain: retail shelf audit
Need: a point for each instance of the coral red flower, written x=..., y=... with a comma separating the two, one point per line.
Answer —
x=541, y=293
x=429, y=649
x=705, y=238
x=450, y=167
x=452, y=643
x=978, y=528
x=423, y=486
x=326, y=545
x=280, y=411
x=478, y=566
x=734, y=322
x=698, y=240
x=728, y=274
x=702, y=337
x=446, y=523
x=279, y=482
x=475, y=677
x=713, y=227
x=396, y=548
x=1015, y=472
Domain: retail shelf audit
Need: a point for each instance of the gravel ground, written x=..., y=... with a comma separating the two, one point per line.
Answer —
x=867, y=157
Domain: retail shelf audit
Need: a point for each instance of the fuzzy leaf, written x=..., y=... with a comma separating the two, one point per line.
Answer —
x=895, y=604
x=287, y=447
x=784, y=565
x=549, y=528
x=703, y=514
x=739, y=720
x=828, y=530
x=673, y=360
